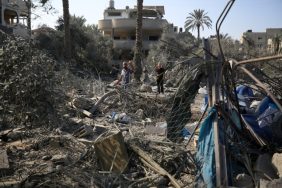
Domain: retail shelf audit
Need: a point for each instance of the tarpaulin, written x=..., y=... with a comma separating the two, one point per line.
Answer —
x=205, y=157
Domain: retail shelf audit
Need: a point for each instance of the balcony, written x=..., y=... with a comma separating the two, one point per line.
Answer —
x=17, y=5
x=148, y=24
x=130, y=44
x=105, y=24
x=124, y=44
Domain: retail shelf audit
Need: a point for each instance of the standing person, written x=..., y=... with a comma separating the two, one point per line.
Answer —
x=125, y=76
x=160, y=78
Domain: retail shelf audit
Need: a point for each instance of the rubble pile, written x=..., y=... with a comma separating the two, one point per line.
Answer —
x=60, y=130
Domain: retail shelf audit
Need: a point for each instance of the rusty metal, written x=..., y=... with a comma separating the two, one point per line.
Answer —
x=220, y=21
x=255, y=60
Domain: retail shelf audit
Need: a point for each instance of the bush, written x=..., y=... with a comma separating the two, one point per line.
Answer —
x=26, y=81
x=90, y=50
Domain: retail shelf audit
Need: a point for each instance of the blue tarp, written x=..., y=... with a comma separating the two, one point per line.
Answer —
x=205, y=157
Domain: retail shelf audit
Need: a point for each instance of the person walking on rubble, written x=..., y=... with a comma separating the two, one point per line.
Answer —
x=160, y=77
x=126, y=73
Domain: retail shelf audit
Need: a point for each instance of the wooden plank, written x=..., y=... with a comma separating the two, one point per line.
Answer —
x=153, y=165
x=111, y=153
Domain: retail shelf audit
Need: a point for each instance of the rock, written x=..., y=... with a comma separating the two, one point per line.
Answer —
x=46, y=157
x=140, y=113
x=59, y=167
x=277, y=162
x=244, y=180
x=83, y=103
x=146, y=88
x=60, y=159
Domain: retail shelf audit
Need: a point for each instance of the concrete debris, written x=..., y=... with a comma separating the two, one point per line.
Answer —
x=146, y=88
x=277, y=162
x=4, y=162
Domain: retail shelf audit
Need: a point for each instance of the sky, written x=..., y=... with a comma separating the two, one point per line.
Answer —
x=256, y=15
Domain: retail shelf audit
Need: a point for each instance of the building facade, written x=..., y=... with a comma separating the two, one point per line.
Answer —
x=120, y=25
x=270, y=40
x=13, y=17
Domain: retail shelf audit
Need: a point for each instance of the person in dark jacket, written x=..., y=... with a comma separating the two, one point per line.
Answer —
x=160, y=78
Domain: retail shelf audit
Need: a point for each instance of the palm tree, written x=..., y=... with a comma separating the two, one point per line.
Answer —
x=67, y=29
x=138, y=45
x=196, y=19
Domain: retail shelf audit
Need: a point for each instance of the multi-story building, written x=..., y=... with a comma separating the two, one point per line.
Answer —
x=13, y=17
x=120, y=25
x=265, y=41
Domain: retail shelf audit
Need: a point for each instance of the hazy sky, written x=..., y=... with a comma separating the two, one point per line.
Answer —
x=245, y=14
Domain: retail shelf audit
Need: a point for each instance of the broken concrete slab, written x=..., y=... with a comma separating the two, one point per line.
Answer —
x=4, y=162
x=277, y=162
x=111, y=153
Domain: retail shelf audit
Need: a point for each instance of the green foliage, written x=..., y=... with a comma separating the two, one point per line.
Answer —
x=89, y=48
x=231, y=48
x=171, y=47
x=196, y=20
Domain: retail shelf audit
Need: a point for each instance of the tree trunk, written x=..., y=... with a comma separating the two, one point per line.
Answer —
x=198, y=30
x=138, y=45
x=28, y=3
x=67, y=42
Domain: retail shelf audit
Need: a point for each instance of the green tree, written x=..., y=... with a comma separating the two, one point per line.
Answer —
x=138, y=46
x=196, y=20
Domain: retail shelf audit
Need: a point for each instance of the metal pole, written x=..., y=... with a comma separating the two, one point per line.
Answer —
x=259, y=59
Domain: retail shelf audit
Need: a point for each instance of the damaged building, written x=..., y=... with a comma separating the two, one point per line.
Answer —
x=120, y=25
x=269, y=41
x=13, y=17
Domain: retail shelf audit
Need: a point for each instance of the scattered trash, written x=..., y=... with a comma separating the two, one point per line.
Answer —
x=120, y=118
